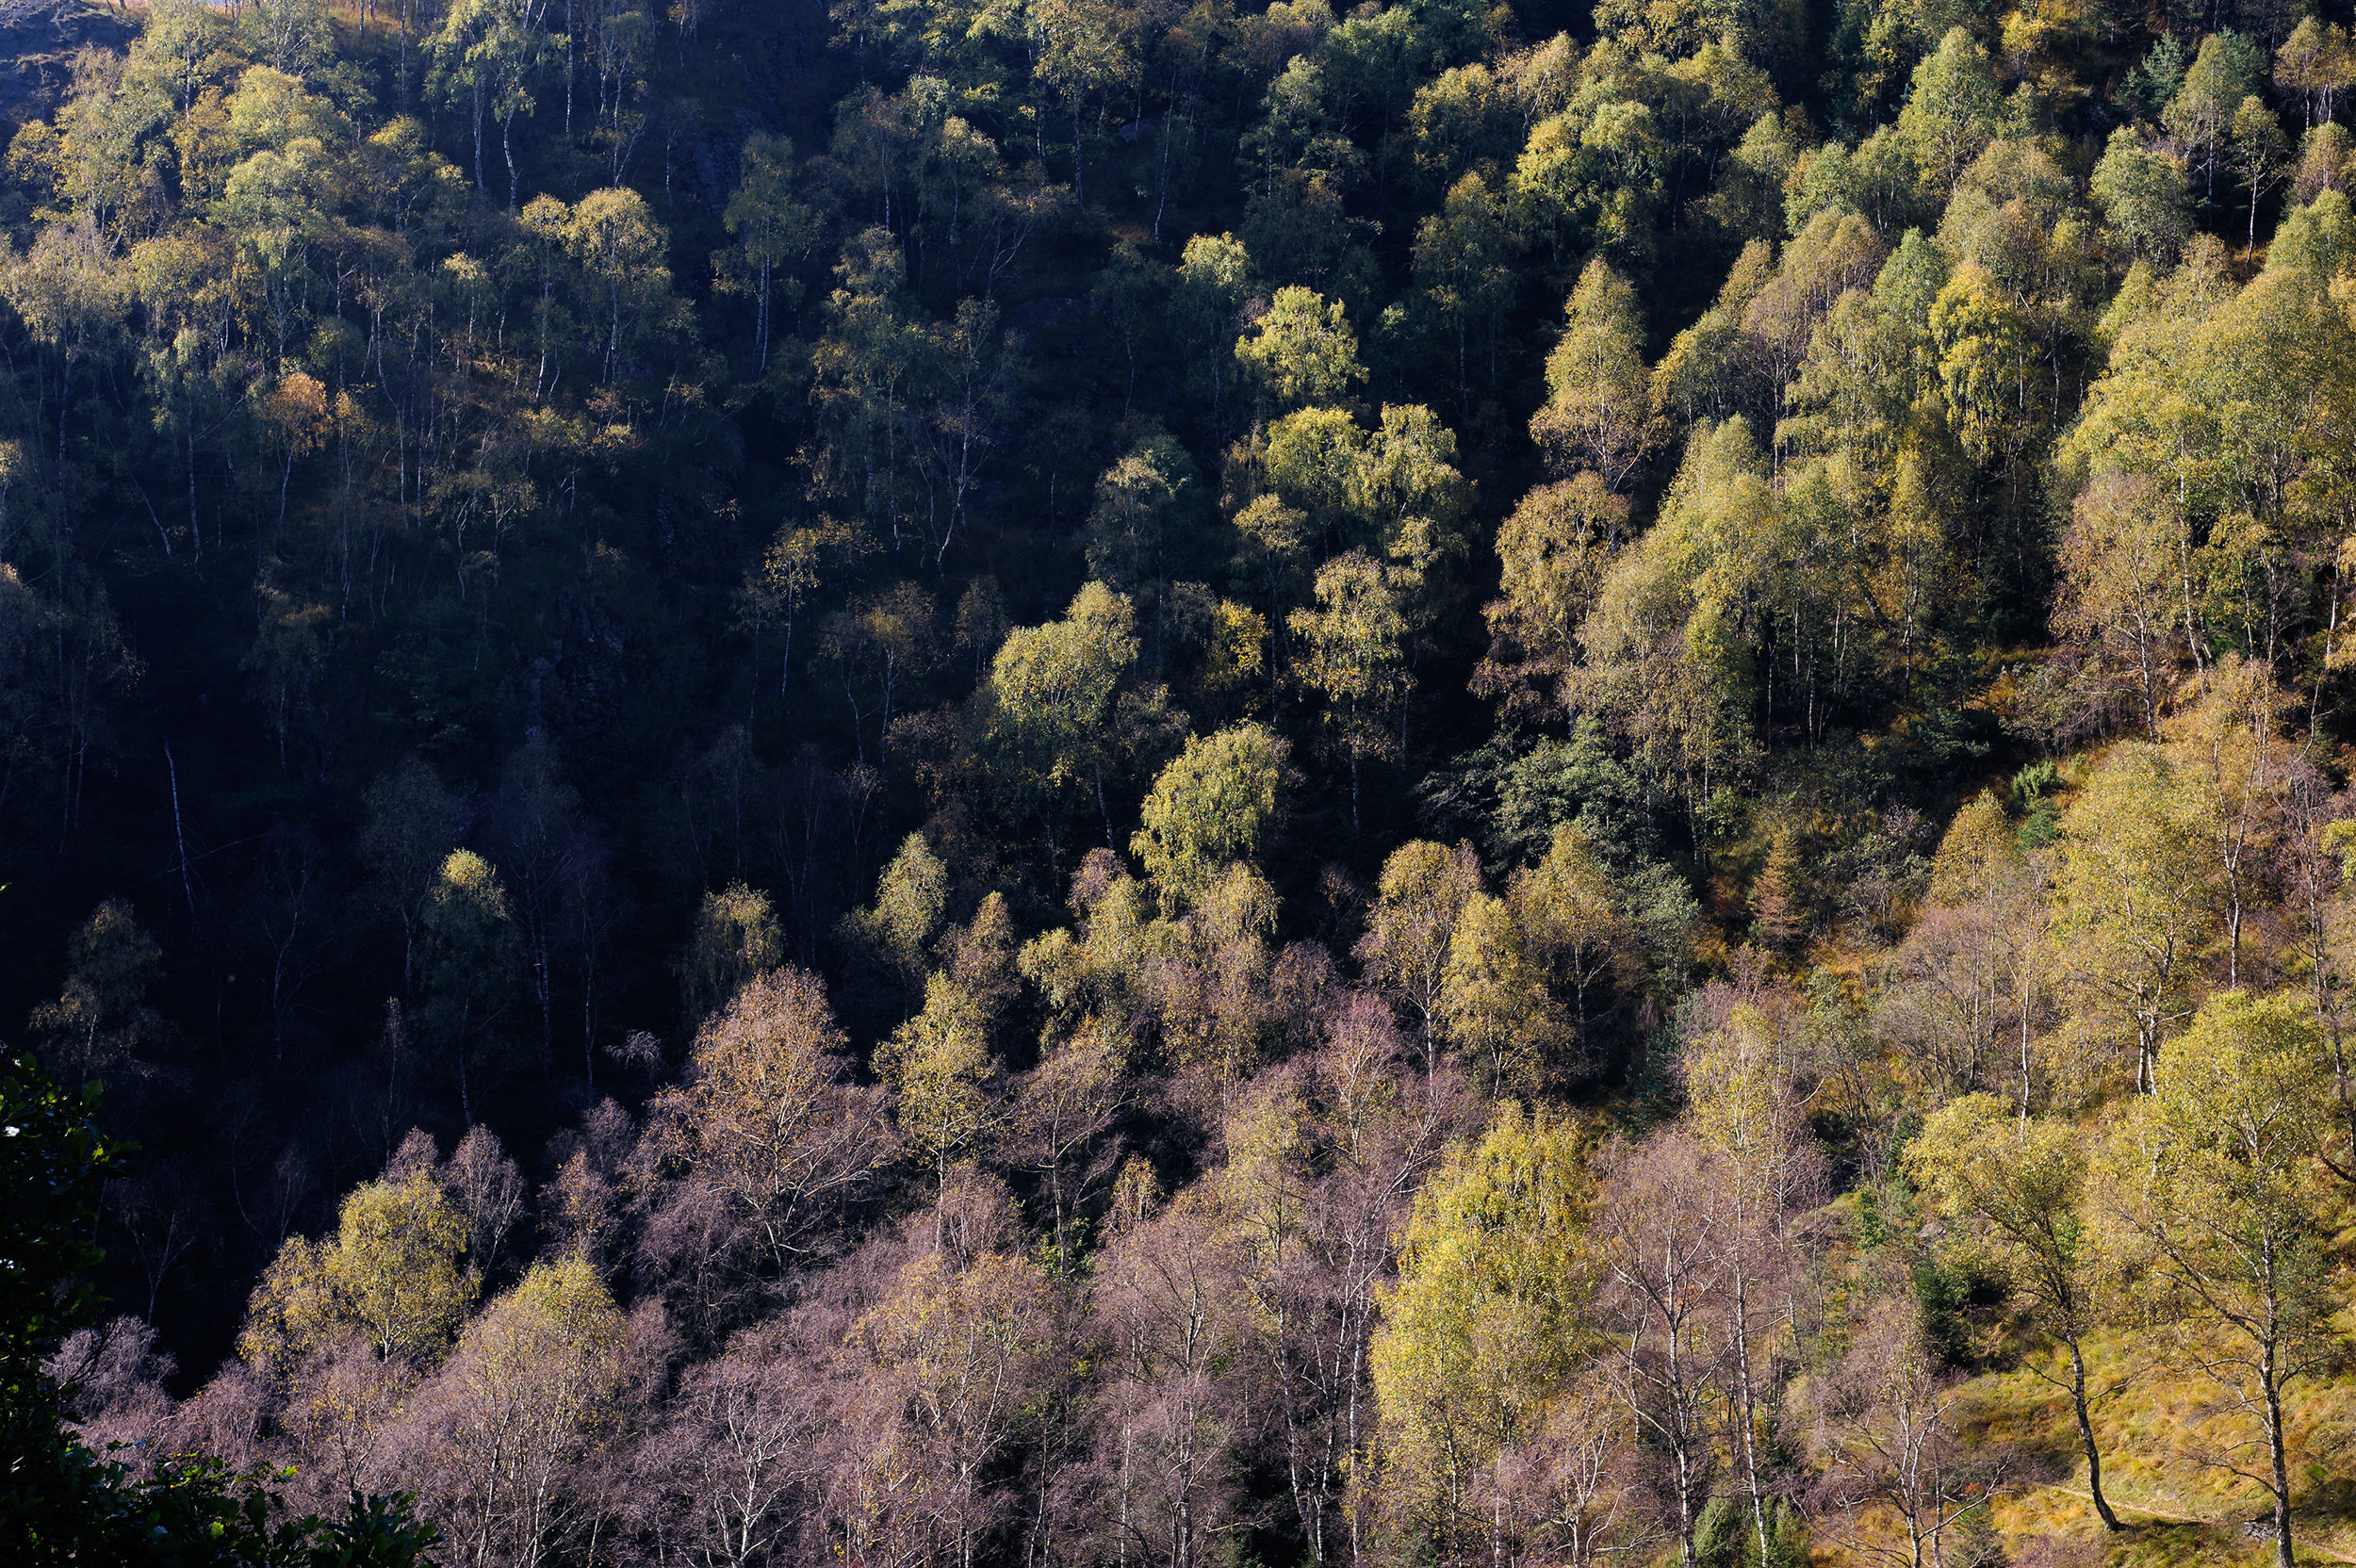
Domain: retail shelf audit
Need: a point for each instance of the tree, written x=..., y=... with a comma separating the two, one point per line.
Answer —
x=64, y=1504
x=1412, y=928
x=798, y=565
x=1493, y=997
x=2120, y=581
x=1665, y=1250
x=532, y=1388
x=770, y=226
x=940, y=1072
x=1669, y=647
x=963, y=1352
x=413, y=826
x=612, y=237
x=1572, y=920
x=1212, y=287
x=1778, y=923
x=1147, y=506
x=1323, y=1164
x=1352, y=656
x=469, y=966
x=2135, y=905
x=1170, y=1300
x=99, y=1023
x=2214, y=1176
x=2315, y=65
x=2013, y=1193
x=390, y=1274
x=1085, y=51
x=881, y=644
x=1461, y=265
x=2232, y=771
x=487, y=1190
x=1598, y=412
x=1062, y=1109
x=2261, y=157
x=1303, y=352
x=1953, y=111
x=2201, y=114
x=1884, y=1427
x=1576, y=1488
x=1971, y=983
x=770, y=1118
x=485, y=54
x=1742, y=1083
x=1553, y=548
x=1491, y=1316
x=912, y=899
x=2144, y=196
x=1209, y=807
x=736, y=939
x=1052, y=687
x=742, y=1449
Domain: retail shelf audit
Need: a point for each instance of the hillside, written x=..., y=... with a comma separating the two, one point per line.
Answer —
x=1085, y=781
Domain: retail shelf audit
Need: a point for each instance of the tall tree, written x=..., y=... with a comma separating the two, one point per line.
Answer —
x=2214, y=1176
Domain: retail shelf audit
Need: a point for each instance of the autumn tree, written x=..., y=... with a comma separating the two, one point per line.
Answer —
x=1553, y=549
x=1746, y=1096
x=940, y=1072
x=413, y=826
x=1412, y=928
x=1599, y=409
x=1665, y=1250
x=1350, y=655
x=533, y=1387
x=769, y=1119
x=736, y=938
x=771, y=227
x=2133, y=903
x=1169, y=1301
x=390, y=1273
x=958, y=1355
x=1496, y=1003
x=471, y=953
x=1059, y=1121
x=2015, y=1193
x=1303, y=352
x=2213, y=1180
x=1885, y=1428
x=742, y=1449
x=912, y=899
x=98, y=1023
x=1491, y=1316
x=1210, y=807
x=1053, y=688
x=1971, y=983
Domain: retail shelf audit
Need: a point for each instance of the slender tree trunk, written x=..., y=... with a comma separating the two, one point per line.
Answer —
x=1748, y=1400
x=2085, y=1435
x=2277, y=1452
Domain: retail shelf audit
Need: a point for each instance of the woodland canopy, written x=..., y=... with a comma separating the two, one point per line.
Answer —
x=1085, y=782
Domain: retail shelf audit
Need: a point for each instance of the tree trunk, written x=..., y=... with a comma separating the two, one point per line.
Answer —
x=2085, y=1436
x=2277, y=1452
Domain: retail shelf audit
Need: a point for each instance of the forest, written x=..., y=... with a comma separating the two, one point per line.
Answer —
x=1178, y=783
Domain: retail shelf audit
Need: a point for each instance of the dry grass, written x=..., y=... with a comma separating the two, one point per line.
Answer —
x=2160, y=1433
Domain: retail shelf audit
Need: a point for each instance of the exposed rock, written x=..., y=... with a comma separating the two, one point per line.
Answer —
x=39, y=40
